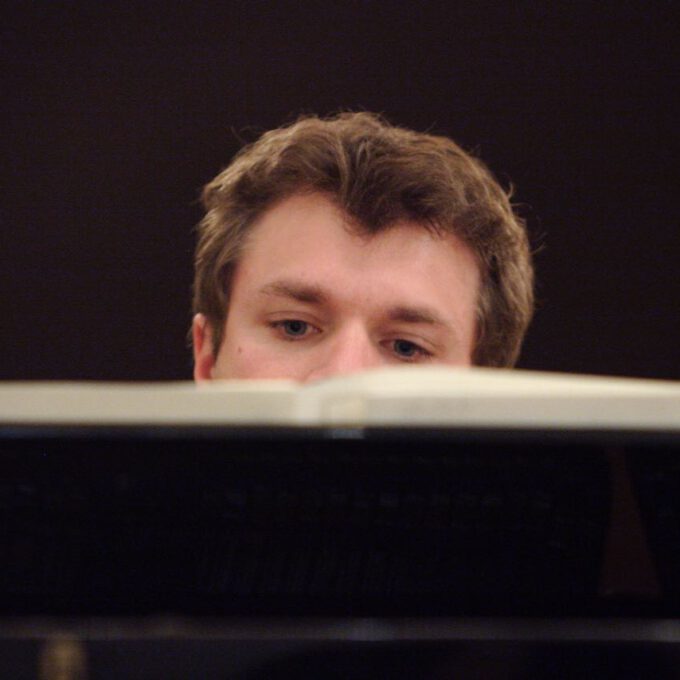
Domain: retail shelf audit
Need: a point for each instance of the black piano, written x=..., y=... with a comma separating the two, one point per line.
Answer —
x=395, y=524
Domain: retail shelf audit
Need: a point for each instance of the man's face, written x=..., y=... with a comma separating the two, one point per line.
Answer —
x=310, y=298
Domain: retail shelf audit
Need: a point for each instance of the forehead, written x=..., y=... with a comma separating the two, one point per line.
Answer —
x=307, y=238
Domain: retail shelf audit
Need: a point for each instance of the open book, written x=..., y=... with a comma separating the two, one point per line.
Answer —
x=432, y=396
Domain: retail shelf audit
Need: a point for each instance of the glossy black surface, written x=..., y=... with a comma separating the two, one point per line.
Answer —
x=326, y=522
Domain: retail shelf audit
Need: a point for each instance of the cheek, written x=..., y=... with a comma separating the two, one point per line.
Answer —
x=248, y=351
x=253, y=360
x=240, y=361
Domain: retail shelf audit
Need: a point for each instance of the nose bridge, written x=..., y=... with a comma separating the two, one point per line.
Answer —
x=350, y=350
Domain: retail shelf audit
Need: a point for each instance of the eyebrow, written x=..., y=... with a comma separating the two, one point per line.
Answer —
x=313, y=294
x=301, y=292
x=415, y=315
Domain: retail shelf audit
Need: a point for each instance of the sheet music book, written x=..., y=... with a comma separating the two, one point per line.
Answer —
x=428, y=396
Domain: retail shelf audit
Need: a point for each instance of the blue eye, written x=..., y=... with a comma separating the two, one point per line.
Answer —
x=406, y=349
x=294, y=327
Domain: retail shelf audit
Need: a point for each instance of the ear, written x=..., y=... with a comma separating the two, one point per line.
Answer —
x=204, y=359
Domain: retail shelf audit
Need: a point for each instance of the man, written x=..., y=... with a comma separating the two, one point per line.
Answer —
x=334, y=245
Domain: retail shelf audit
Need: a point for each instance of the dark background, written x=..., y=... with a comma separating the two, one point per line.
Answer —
x=114, y=117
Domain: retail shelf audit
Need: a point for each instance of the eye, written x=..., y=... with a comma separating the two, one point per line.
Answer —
x=405, y=349
x=292, y=329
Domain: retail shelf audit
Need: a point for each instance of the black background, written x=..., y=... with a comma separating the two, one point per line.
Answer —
x=113, y=117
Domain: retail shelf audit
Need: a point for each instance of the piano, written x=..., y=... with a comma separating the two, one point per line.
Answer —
x=411, y=522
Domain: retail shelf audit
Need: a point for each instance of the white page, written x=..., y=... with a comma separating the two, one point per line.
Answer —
x=395, y=396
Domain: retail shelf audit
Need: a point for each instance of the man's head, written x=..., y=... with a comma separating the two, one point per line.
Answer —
x=351, y=235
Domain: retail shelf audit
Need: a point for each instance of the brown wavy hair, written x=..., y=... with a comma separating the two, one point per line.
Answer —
x=377, y=174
